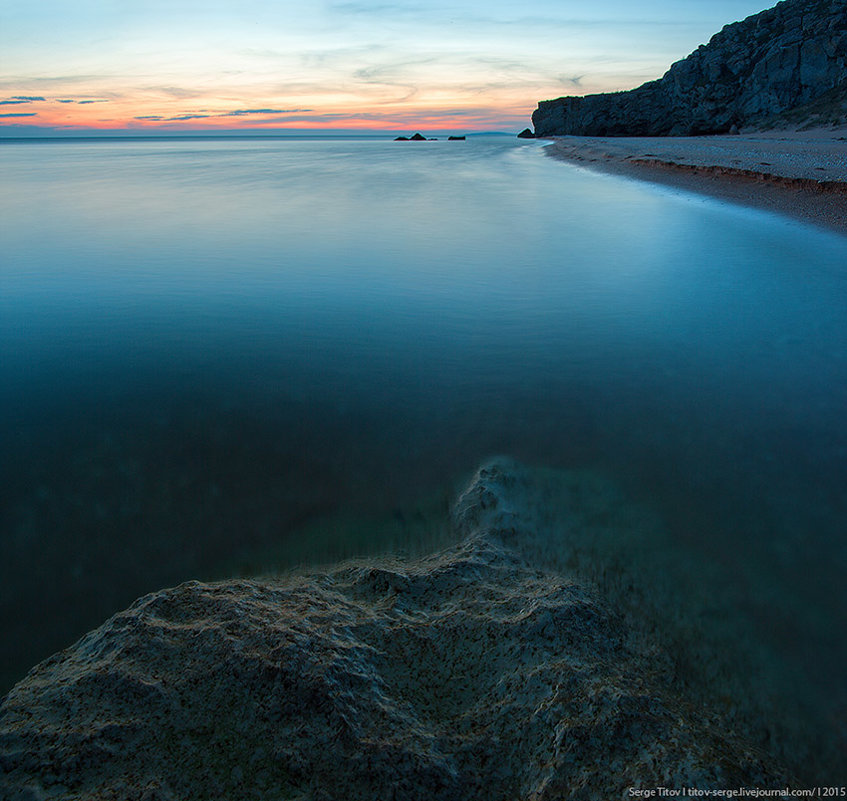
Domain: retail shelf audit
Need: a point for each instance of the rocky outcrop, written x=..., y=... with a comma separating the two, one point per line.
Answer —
x=753, y=73
x=466, y=675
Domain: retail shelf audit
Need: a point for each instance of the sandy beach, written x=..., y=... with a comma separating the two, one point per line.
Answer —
x=800, y=174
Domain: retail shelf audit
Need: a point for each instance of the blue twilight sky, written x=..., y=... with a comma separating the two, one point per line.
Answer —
x=433, y=64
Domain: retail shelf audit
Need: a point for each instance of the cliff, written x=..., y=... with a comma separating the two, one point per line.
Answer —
x=786, y=65
x=469, y=674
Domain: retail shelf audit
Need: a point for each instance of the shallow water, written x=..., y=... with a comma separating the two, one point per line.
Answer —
x=230, y=355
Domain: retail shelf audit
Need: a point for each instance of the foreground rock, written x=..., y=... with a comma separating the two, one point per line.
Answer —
x=465, y=675
x=784, y=66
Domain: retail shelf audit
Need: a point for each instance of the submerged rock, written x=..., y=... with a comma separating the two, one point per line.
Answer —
x=468, y=674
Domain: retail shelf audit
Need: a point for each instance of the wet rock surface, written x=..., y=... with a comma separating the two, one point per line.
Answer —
x=468, y=674
x=784, y=66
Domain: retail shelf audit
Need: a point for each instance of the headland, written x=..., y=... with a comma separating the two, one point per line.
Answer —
x=758, y=115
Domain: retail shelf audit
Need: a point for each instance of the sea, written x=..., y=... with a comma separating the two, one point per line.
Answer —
x=242, y=356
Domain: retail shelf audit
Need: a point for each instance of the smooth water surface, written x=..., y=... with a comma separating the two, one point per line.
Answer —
x=211, y=349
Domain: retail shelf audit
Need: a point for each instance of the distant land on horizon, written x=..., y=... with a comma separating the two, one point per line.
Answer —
x=9, y=133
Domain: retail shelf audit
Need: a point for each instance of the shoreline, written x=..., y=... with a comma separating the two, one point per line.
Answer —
x=800, y=175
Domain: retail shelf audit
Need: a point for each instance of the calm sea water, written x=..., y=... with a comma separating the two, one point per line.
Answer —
x=218, y=354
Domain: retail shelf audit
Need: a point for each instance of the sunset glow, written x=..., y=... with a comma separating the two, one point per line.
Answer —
x=182, y=65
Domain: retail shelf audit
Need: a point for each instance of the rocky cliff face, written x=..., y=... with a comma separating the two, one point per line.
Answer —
x=786, y=64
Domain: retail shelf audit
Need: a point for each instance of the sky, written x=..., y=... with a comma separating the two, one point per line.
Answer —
x=430, y=65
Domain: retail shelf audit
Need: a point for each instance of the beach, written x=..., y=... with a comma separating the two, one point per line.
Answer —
x=800, y=174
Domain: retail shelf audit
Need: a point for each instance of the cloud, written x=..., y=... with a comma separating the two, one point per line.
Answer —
x=392, y=69
x=340, y=57
x=15, y=82
x=378, y=9
x=575, y=80
x=19, y=100
x=238, y=113
x=391, y=75
x=179, y=92
x=80, y=102
x=399, y=119
x=242, y=112
x=31, y=114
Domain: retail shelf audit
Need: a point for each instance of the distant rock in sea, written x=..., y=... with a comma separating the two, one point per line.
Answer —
x=456, y=138
x=466, y=675
x=784, y=66
x=526, y=133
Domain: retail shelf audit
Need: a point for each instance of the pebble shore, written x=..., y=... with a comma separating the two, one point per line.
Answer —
x=799, y=174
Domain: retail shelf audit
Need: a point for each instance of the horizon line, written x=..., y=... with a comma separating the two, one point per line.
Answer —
x=8, y=132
